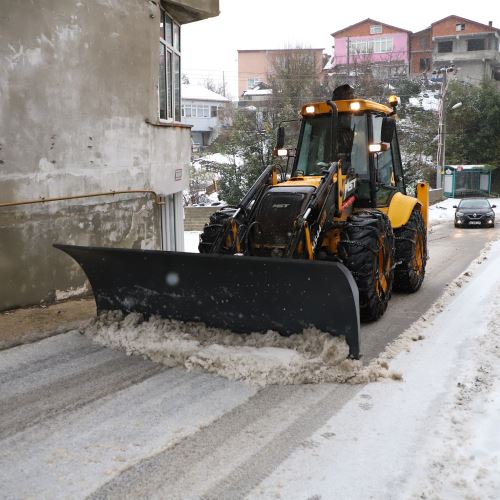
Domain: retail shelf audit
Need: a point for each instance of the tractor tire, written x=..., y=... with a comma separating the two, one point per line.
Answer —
x=212, y=229
x=367, y=249
x=411, y=254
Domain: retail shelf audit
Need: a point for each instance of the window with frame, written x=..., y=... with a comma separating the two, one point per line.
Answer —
x=252, y=82
x=375, y=46
x=476, y=44
x=425, y=64
x=375, y=29
x=213, y=111
x=460, y=27
x=169, y=88
x=196, y=110
x=424, y=42
x=445, y=46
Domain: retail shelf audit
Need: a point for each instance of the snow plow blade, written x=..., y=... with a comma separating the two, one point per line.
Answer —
x=239, y=293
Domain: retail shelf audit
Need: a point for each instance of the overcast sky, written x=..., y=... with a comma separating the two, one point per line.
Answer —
x=209, y=47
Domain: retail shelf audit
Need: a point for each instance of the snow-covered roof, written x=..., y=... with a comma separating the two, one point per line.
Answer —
x=258, y=92
x=197, y=92
x=219, y=158
x=470, y=167
x=260, y=88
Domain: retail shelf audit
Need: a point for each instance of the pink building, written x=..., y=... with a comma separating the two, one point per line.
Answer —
x=384, y=47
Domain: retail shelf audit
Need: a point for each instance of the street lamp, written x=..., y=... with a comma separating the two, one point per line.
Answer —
x=444, y=72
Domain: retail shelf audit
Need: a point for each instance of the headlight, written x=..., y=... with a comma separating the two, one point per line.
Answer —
x=459, y=214
x=490, y=214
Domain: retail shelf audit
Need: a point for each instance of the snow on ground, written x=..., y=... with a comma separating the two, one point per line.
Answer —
x=261, y=359
x=428, y=429
x=432, y=435
x=426, y=100
x=191, y=240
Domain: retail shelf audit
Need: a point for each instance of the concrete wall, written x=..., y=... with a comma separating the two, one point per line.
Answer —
x=435, y=195
x=474, y=66
x=79, y=114
x=32, y=271
x=195, y=218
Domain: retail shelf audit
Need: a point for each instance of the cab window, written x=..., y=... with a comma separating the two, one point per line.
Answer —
x=314, y=154
x=353, y=142
x=388, y=163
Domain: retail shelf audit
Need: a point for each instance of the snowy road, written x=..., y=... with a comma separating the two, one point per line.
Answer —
x=80, y=420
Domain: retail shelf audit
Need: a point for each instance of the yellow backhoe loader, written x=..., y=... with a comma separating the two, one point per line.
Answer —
x=321, y=243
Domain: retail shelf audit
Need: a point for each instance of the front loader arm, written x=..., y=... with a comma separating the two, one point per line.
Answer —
x=308, y=225
x=234, y=228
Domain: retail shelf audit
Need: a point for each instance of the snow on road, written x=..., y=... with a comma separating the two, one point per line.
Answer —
x=428, y=429
x=261, y=359
x=432, y=435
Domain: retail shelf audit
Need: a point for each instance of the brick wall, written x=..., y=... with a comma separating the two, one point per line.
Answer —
x=448, y=27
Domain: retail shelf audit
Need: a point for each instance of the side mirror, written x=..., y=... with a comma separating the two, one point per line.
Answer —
x=388, y=129
x=454, y=206
x=493, y=206
x=280, y=138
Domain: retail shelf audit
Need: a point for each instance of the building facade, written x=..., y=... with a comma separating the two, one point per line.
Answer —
x=204, y=111
x=255, y=66
x=373, y=45
x=390, y=52
x=421, y=52
x=92, y=148
x=472, y=47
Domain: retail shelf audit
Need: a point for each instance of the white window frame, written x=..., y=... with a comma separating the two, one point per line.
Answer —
x=170, y=109
x=375, y=29
x=373, y=46
x=253, y=81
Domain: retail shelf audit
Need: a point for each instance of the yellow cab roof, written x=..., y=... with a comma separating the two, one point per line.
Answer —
x=344, y=106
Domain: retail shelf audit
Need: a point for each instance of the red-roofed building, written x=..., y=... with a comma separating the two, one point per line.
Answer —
x=383, y=47
x=472, y=47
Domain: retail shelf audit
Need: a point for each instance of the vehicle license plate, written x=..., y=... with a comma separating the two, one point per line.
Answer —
x=475, y=222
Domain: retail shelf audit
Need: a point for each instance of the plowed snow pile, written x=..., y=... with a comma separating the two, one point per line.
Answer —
x=312, y=357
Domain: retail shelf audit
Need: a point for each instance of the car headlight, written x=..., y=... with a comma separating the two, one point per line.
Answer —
x=459, y=214
x=490, y=214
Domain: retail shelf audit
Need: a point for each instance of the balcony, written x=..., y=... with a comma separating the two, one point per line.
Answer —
x=473, y=55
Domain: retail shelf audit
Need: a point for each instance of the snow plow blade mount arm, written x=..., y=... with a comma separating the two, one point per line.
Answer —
x=241, y=294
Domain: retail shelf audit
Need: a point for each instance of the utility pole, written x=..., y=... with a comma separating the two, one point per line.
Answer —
x=348, y=53
x=441, y=152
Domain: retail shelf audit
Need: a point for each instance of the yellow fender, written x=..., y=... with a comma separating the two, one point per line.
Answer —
x=400, y=209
